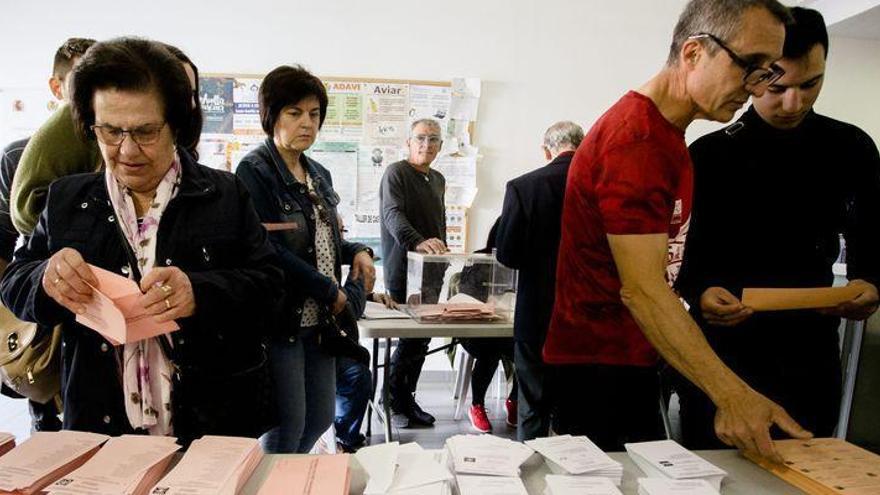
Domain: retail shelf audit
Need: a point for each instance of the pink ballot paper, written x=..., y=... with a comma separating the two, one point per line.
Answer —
x=313, y=475
x=782, y=299
x=115, y=314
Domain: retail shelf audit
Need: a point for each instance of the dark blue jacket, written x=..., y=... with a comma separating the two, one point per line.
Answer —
x=280, y=198
x=528, y=240
x=211, y=232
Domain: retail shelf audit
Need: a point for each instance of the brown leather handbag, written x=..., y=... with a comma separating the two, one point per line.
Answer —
x=30, y=363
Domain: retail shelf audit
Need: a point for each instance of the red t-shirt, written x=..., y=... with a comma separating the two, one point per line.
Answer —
x=631, y=175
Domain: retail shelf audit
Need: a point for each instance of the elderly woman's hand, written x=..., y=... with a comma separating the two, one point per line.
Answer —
x=363, y=265
x=67, y=280
x=168, y=294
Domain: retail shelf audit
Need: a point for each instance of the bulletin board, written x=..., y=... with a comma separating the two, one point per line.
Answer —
x=365, y=130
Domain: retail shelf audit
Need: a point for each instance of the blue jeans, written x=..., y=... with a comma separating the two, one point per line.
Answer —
x=353, y=389
x=305, y=385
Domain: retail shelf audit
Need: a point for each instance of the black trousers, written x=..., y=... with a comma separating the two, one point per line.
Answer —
x=487, y=352
x=612, y=405
x=534, y=406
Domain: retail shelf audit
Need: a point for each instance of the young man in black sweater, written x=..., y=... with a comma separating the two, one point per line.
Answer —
x=773, y=193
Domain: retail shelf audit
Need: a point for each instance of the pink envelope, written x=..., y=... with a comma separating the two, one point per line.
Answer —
x=313, y=475
x=115, y=314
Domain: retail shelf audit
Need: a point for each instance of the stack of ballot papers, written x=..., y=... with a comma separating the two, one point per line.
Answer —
x=7, y=442
x=460, y=307
x=314, y=475
x=565, y=454
x=486, y=455
x=378, y=311
x=405, y=470
x=560, y=484
x=126, y=465
x=666, y=486
x=490, y=485
x=668, y=459
x=213, y=465
x=44, y=458
x=114, y=311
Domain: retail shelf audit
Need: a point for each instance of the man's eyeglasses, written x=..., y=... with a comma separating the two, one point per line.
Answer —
x=142, y=135
x=755, y=75
x=431, y=140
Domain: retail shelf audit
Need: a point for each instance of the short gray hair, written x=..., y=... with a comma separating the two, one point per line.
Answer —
x=428, y=122
x=563, y=134
x=720, y=18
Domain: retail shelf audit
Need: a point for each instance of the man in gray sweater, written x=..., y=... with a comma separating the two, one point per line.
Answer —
x=413, y=218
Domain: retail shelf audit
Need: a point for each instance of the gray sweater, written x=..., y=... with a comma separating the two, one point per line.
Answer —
x=412, y=210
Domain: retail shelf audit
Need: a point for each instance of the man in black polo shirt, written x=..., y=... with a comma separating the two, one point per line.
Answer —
x=413, y=218
x=773, y=193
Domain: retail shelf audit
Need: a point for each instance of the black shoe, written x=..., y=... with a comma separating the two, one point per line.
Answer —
x=420, y=416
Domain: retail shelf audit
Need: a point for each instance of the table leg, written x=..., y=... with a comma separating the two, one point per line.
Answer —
x=374, y=369
x=386, y=402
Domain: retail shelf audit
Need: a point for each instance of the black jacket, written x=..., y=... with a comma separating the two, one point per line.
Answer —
x=211, y=232
x=528, y=240
x=280, y=198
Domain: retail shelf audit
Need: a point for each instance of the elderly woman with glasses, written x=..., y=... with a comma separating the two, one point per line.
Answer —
x=186, y=234
x=294, y=197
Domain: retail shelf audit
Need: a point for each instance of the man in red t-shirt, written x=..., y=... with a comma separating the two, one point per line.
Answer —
x=626, y=212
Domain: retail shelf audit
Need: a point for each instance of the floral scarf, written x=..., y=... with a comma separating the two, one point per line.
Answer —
x=146, y=370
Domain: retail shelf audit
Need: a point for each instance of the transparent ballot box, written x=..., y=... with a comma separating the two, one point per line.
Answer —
x=459, y=288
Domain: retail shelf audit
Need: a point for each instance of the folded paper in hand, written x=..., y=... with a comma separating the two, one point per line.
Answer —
x=114, y=311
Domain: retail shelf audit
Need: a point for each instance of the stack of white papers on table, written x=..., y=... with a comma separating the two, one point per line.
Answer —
x=566, y=454
x=378, y=311
x=560, y=484
x=486, y=455
x=126, y=465
x=405, y=470
x=668, y=459
x=490, y=485
x=213, y=465
x=666, y=486
x=313, y=475
x=44, y=458
x=7, y=442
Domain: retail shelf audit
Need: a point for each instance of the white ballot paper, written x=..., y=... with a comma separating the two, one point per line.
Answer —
x=46, y=457
x=559, y=484
x=378, y=311
x=486, y=455
x=566, y=454
x=380, y=463
x=665, y=486
x=213, y=465
x=418, y=469
x=126, y=465
x=668, y=459
x=490, y=485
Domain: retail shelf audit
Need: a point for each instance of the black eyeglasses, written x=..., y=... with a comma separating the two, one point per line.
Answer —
x=755, y=75
x=142, y=135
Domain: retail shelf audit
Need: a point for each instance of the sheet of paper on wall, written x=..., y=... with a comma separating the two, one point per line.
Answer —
x=386, y=114
x=458, y=171
x=241, y=145
x=461, y=196
x=430, y=102
x=761, y=299
x=46, y=457
x=464, y=107
x=125, y=465
x=212, y=151
x=466, y=86
x=341, y=160
x=344, y=120
x=114, y=312
x=246, y=107
x=822, y=466
x=213, y=465
x=668, y=459
x=665, y=486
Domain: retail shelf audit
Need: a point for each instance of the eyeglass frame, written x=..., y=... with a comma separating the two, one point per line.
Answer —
x=773, y=73
x=129, y=132
x=430, y=140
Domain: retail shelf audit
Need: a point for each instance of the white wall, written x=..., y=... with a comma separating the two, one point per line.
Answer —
x=540, y=61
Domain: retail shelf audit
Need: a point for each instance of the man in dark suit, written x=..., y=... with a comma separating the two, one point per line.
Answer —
x=528, y=240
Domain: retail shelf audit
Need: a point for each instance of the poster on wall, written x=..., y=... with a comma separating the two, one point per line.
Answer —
x=364, y=131
x=215, y=95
